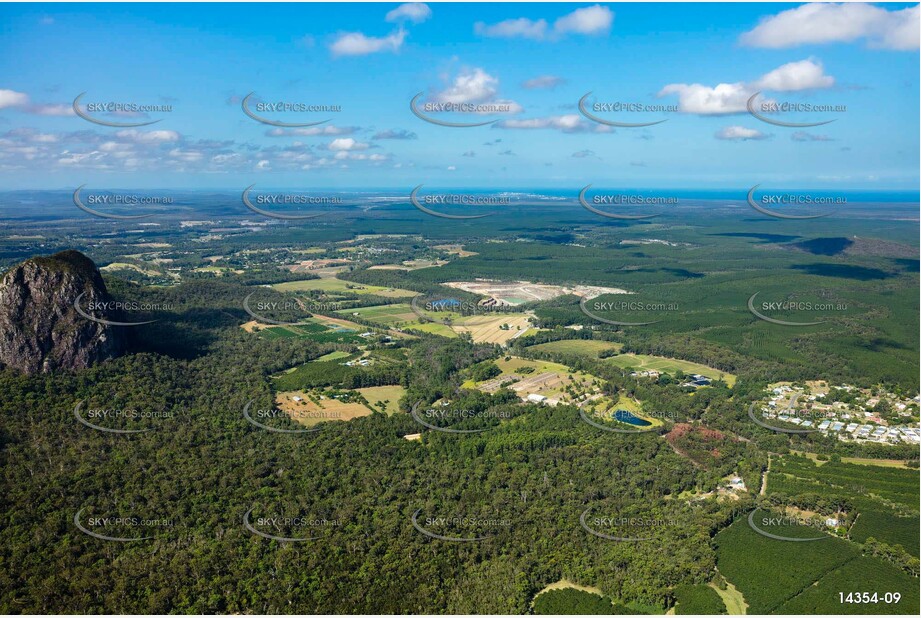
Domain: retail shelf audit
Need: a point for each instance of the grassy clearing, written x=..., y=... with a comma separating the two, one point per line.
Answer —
x=309, y=412
x=334, y=355
x=314, y=330
x=434, y=328
x=565, y=583
x=482, y=328
x=338, y=285
x=732, y=599
x=861, y=461
x=387, y=315
x=669, y=365
x=489, y=328
x=579, y=347
x=388, y=395
x=537, y=377
x=514, y=364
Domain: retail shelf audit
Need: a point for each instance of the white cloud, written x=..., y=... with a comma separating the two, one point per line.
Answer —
x=11, y=98
x=186, y=155
x=84, y=159
x=548, y=82
x=732, y=98
x=819, y=23
x=700, y=99
x=522, y=27
x=45, y=138
x=116, y=147
x=592, y=20
x=470, y=86
x=803, y=136
x=476, y=86
x=567, y=123
x=358, y=44
x=401, y=134
x=311, y=131
x=416, y=12
x=165, y=150
x=133, y=135
x=794, y=76
x=737, y=133
x=52, y=109
x=347, y=144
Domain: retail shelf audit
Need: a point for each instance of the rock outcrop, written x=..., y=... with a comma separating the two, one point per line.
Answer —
x=40, y=328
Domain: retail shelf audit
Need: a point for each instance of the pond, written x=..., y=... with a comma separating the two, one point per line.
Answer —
x=626, y=417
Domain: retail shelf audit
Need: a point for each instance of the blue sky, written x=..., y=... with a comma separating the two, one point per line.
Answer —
x=537, y=60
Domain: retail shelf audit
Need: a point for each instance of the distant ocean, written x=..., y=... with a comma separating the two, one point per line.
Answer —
x=856, y=195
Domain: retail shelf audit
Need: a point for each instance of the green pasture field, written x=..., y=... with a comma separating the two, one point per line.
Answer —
x=668, y=365
x=338, y=285
x=578, y=347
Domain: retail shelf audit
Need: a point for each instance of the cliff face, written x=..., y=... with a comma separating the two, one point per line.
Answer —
x=40, y=330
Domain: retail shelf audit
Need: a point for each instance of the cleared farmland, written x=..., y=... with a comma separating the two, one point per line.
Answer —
x=338, y=285
x=310, y=412
x=669, y=365
x=387, y=395
x=482, y=328
x=493, y=328
x=578, y=347
x=399, y=314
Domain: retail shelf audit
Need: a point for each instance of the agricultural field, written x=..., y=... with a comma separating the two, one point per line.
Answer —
x=894, y=485
x=398, y=315
x=335, y=322
x=863, y=461
x=482, y=328
x=669, y=365
x=859, y=574
x=313, y=408
x=383, y=368
x=529, y=377
x=338, y=285
x=498, y=329
x=768, y=572
x=435, y=328
x=314, y=329
x=457, y=250
x=885, y=498
x=578, y=347
x=410, y=265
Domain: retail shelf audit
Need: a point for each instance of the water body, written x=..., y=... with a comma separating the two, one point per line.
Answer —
x=626, y=417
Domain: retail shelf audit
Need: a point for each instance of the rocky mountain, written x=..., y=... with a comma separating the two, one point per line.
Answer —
x=41, y=329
